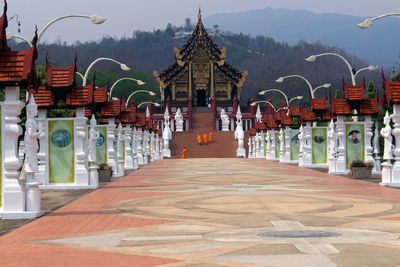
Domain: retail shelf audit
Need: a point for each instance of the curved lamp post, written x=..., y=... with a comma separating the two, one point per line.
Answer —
x=94, y=19
x=139, y=91
x=148, y=102
x=269, y=103
x=312, y=58
x=368, y=22
x=275, y=90
x=139, y=82
x=85, y=76
x=312, y=91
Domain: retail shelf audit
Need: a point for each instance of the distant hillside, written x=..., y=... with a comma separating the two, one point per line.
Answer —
x=265, y=60
x=378, y=45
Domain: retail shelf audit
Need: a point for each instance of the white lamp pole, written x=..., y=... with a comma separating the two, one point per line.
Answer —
x=275, y=90
x=312, y=58
x=312, y=91
x=94, y=19
x=138, y=91
x=150, y=103
x=368, y=22
x=266, y=101
x=139, y=82
x=85, y=76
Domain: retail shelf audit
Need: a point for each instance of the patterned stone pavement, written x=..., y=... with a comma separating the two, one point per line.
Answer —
x=217, y=212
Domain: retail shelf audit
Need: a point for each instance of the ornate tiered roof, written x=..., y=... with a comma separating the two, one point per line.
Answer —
x=60, y=77
x=16, y=67
x=354, y=92
x=200, y=40
x=340, y=107
x=391, y=91
x=308, y=115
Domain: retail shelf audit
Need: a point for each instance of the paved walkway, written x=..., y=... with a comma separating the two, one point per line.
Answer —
x=217, y=212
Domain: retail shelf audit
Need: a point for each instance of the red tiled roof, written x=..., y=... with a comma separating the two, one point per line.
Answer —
x=60, y=77
x=391, y=91
x=80, y=95
x=319, y=103
x=286, y=120
x=43, y=97
x=271, y=123
x=370, y=106
x=260, y=126
x=327, y=115
x=100, y=94
x=112, y=108
x=308, y=115
x=129, y=115
x=140, y=119
x=354, y=92
x=295, y=111
x=341, y=107
x=18, y=67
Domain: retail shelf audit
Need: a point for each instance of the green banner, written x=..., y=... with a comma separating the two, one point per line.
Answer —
x=295, y=147
x=101, y=145
x=319, y=146
x=354, y=143
x=61, y=151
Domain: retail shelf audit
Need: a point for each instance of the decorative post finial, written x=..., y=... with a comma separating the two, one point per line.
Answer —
x=199, y=15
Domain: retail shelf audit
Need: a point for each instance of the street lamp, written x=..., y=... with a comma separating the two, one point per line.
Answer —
x=85, y=76
x=269, y=103
x=139, y=91
x=368, y=22
x=94, y=19
x=148, y=102
x=139, y=82
x=353, y=75
x=275, y=90
x=312, y=91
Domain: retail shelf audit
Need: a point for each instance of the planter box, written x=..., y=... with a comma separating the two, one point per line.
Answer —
x=361, y=172
x=105, y=175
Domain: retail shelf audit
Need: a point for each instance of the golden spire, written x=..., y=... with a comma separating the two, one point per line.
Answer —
x=199, y=15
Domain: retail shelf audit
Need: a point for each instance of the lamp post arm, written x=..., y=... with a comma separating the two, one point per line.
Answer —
x=80, y=75
x=10, y=36
x=385, y=15
x=125, y=78
x=277, y=90
x=57, y=19
x=148, y=102
x=94, y=62
x=131, y=95
x=353, y=79
x=316, y=88
x=301, y=77
x=371, y=68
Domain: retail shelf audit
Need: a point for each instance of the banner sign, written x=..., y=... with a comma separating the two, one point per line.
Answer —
x=354, y=143
x=61, y=151
x=295, y=147
x=319, y=145
x=101, y=145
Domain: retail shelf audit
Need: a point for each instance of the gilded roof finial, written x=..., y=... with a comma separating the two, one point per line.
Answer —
x=199, y=15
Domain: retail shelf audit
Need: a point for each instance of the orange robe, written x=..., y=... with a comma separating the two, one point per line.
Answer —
x=205, y=138
x=199, y=139
x=184, y=153
x=210, y=135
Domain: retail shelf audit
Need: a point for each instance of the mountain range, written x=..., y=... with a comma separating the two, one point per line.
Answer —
x=378, y=45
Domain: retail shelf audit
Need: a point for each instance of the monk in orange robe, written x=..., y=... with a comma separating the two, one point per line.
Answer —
x=210, y=137
x=184, y=153
x=205, y=139
x=199, y=139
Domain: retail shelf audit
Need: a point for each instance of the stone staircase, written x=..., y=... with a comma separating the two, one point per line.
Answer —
x=223, y=145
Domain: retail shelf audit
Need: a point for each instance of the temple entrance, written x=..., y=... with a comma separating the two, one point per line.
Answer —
x=201, y=98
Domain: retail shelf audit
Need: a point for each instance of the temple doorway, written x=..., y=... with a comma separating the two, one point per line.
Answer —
x=201, y=98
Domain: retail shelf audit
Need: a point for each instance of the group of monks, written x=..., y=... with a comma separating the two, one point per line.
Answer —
x=203, y=140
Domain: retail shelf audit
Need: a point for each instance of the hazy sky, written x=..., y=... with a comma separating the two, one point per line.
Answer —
x=126, y=16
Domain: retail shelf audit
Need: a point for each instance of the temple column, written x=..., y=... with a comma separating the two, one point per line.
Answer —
x=81, y=172
x=341, y=158
x=128, y=164
x=43, y=148
x=273, y=142
x=13, y=204
x=268, y=139
x=135, y=149
x=377, y=168
x=287, y=155
x=190, y=80
x=110, y=145
x=140, y=146
x=396, y=151
x=307, y=151
x=368, y=136
x=212, y=93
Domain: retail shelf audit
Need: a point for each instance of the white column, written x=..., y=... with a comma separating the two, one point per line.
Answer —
x=13, y=191
x=128, y=149
x=110, y=145
x=161, y=145
x=81, y=172
x=249, y=143
x=93, y=136
x=140, y=147
x=262, y=145
x=301, y=148
x=145, y=147
x=396, y=151
x=307, y=151
x=151, y=146
x=157, y=146
x=341, y=159
x=281, y=145
x=253, y=142
x=368, y=136
x=273, y=142
x=43, y=148
x=135, y=149
x=288, y=139
x=377, y=167
x=120, y=152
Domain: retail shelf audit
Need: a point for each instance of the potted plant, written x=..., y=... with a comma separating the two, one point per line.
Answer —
x=361, y=169
x=105, y=173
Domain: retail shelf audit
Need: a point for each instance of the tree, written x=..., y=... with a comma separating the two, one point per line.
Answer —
x=371, y=90
x=337, y=94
